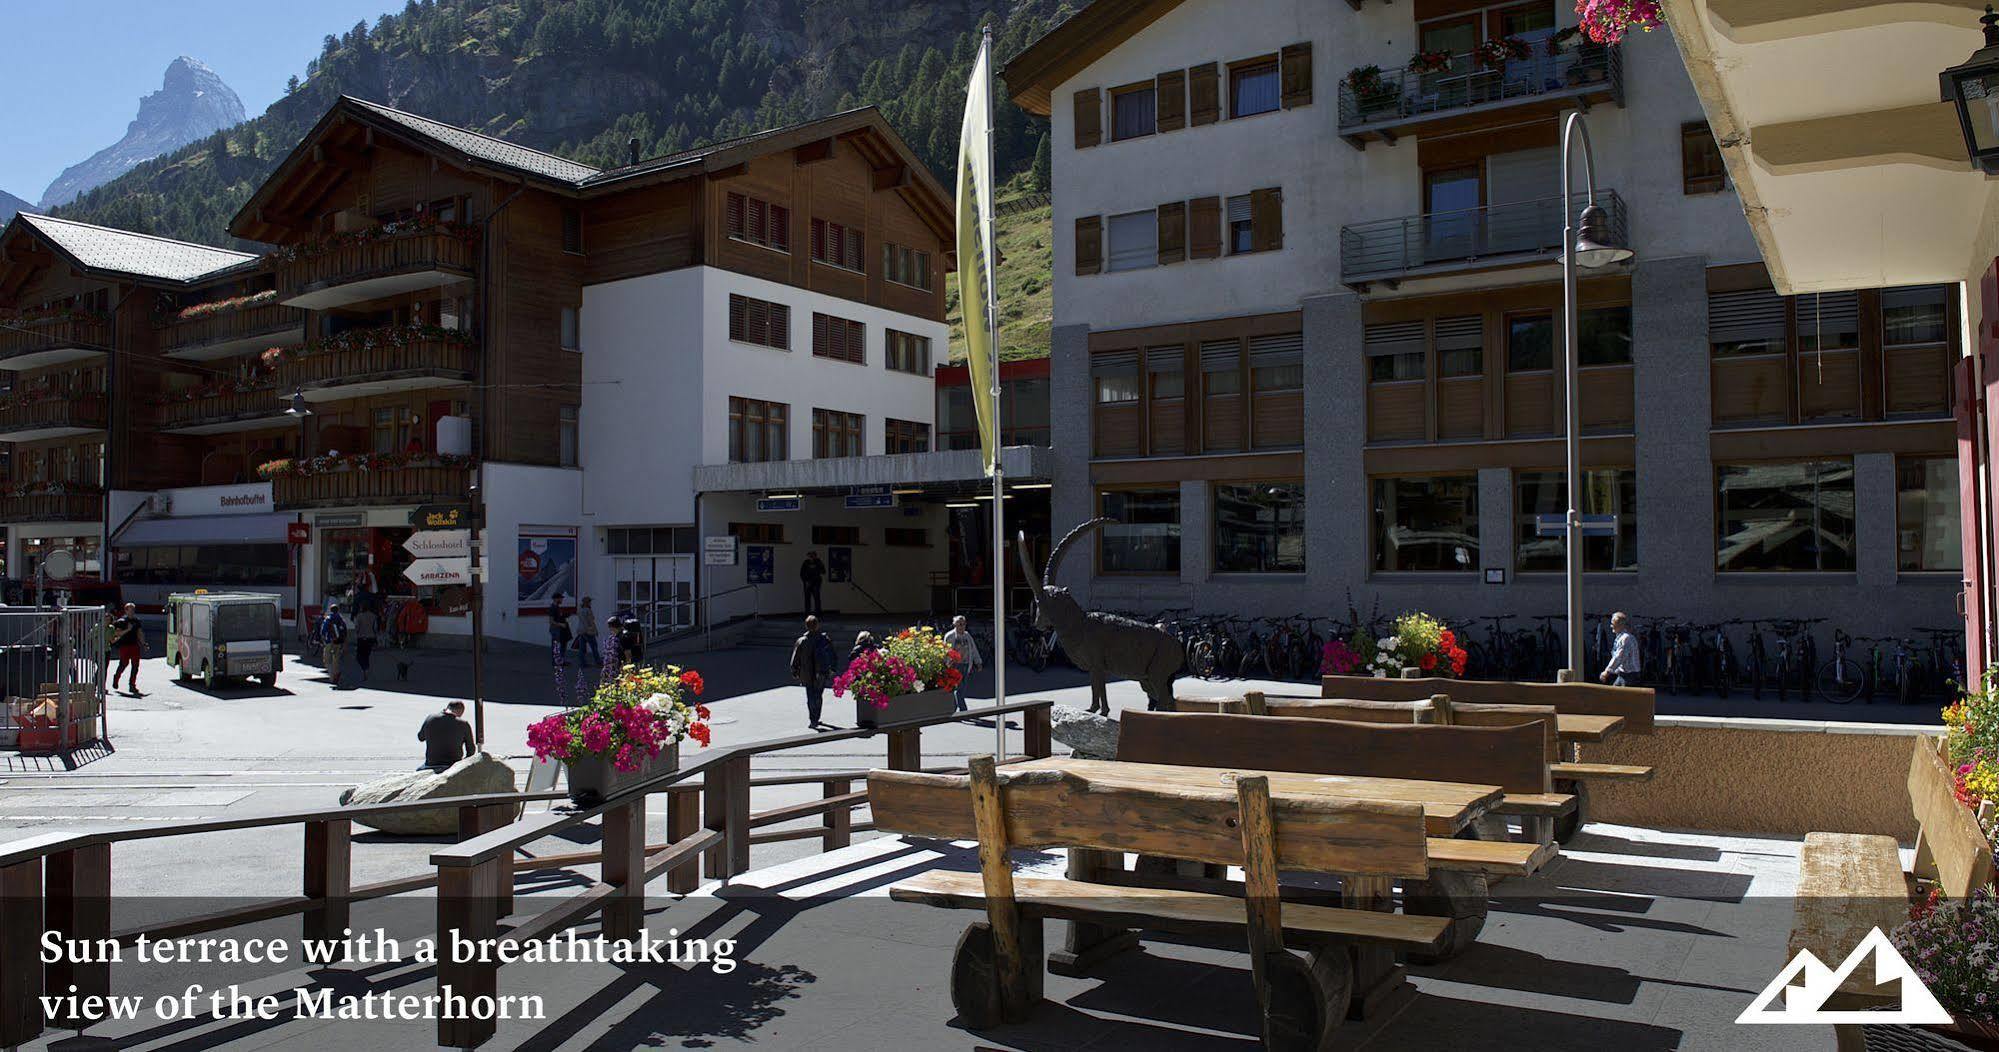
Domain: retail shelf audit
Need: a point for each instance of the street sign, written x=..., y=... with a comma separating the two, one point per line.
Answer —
x=778, y=503
x=440, y=544
x=762, y=564
x=442, y=517
x=870, y=500
x=726, y=542
x=1557, y=525
x=718, y=558
x=298, y=533
x=436, y=572
x=874, y=490
x=718, y=551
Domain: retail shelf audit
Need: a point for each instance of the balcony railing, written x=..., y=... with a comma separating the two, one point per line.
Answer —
x=351, y=271
x=35, y=342
x=1472, y=239
x=230, y=332
x=52, y=507
x=55, y=414
x=1399, y=98
x=216, y=413
x=357, y=487
x=377, y=363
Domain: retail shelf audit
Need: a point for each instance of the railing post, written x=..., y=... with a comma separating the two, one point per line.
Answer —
x=683, y=818
x=475, y=821
x=466, y=917
x=905, y=749
x=329, y=877
x=837, y=821
x=1037, y=732
x=725, y=798
x=625, y=869
x=78, y=904
x=21, y=926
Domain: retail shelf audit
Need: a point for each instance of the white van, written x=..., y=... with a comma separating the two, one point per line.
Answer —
x=224, y=635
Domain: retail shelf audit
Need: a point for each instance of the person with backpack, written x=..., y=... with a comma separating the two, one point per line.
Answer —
x=332, y=641
x=812, y=666
x=558, y=646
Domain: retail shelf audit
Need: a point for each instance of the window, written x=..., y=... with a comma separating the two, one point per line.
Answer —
x=1461, y=346
x=1242, y=226
x=572, y=231
x=1426, y=524
x=838, y=245
x=957, y=421
x=568, y=435
x=1603, y=336
x=757, y=431
x=1701, y=170
x=760, y=322
x=836, y=434
x=1277, y=363
x=1530, y=342
x=906, y=353
x=1260, y=528
x=1914, y=316
x=1394, y=351
x=1927, y=515
x=1165, y=372
x=1115, y=377
x=570, y=337
x=907, y=266
x=1827, y=321
x=758, y=222
x=454, y=313
x=1747, y=322
x=1606, y=491
x=905, y=537
x=1146, y=536
x=841, y=535
x=757, y=532
x=1134, y=238
x=1132, y=112
x=1253, y=88
x=649, y=540
x=1785, y=516
x=905, y=436
x=839, y=339
x=389, y=431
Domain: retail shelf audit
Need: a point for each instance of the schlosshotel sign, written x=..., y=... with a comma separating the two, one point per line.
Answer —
x=442, y=517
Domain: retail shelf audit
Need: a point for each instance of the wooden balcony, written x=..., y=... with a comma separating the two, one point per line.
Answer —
x=358, y=271
x=217, y=414
x=1468, y=96
x=52, y=507
x=38, y=342
x=60, y=414
x=233, y=332
x=358, y=488
x=331, y=374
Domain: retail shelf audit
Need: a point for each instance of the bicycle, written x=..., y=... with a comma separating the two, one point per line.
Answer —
x=1840, y=680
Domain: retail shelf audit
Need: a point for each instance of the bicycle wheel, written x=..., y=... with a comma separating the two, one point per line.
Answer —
x=1034, y=653
x=1201, y=660
x=1840, y=682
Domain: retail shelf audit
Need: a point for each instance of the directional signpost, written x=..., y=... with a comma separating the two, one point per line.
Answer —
x=443, y=557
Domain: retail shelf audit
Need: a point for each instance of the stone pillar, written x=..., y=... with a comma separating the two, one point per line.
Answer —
x=1875, y=538
x=1197, y=543
x=1336, y=491
x=1072, y=501
x=1669, y=351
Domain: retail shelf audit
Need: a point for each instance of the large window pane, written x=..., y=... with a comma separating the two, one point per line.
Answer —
x=1603, y=336
x=1927, y=515
x=1428, y=524
x=1132, y=113
x=1134, y=240
x=1253, y=89
x=1115, y=377
x=1260, y=528
x=1786, y=516
x=1913, y=315
x=1146, y=536
x=1606, y=491
x=1530, y=342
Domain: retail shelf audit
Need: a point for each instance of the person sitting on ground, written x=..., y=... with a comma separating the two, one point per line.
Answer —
x=446, y=737
x=863, y=642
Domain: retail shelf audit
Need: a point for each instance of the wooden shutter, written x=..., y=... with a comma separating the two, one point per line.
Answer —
x=739, y=309
x=1172, y=232
x=734, y=222
x=1204, y=222
x=1170, y=98
x=1296, y=75
x=777, y=322
x=780, y=228
x=1089, y=244
x=1266, y=219
x=1204, y=94
x=857, y=250
x=1089, y=118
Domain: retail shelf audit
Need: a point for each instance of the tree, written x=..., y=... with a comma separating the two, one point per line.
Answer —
x=1040, y=175
x=291, y=86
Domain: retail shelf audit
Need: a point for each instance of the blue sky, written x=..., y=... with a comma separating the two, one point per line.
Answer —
x=75, y=70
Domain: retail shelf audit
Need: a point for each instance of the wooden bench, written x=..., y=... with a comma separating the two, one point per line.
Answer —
x=1634, y=704
x=996, y=971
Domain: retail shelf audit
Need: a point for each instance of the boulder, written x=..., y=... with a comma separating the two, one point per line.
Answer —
x=1090, y=736
x=475, y=775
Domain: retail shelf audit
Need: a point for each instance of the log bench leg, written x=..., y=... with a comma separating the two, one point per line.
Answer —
x=1085, y=945
x=1460, y=897
x=1565, y=828
x=1380, y=982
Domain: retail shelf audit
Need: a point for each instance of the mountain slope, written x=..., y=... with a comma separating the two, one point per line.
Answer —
x=9, y=204
x=192, y=102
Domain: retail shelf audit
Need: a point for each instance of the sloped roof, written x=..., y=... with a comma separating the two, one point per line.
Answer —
x=1082, y=38
x=145, y=256
x=483, y=147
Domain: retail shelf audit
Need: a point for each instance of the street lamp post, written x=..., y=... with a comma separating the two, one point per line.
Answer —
x=1588, y=242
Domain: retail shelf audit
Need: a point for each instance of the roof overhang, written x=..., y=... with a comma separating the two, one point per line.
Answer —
x=1070, y=47
x=1851, y=171
x=1021, y=464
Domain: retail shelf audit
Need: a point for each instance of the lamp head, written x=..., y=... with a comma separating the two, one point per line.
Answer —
x=298, y=407
x=1972, y=89
x=1596, y=245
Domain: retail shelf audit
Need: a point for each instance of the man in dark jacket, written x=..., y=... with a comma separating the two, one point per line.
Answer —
x=446, y=737
x=812, y=667
x=811, y=573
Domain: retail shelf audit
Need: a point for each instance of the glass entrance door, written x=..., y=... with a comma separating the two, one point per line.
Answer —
x=657, y=589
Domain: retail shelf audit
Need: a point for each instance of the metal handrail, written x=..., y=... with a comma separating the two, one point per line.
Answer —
x=1401, y=94
x=1389, y=247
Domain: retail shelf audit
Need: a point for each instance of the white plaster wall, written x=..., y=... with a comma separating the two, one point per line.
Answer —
x=526, y=495
x=639, y=433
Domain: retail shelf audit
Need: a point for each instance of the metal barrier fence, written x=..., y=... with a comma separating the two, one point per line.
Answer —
x=52, y=668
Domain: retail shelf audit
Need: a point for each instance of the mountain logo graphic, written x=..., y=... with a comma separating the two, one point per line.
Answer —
x=1800, y=991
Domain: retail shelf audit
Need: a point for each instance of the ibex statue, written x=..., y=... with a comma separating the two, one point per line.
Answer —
x=1104, y=645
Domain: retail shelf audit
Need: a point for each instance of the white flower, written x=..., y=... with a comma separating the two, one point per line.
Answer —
x=919, y=688
x=1378, y=674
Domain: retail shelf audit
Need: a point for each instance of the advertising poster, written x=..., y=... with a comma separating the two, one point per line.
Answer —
x=545, y=564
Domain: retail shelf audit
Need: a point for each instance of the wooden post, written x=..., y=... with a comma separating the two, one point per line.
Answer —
x=329, y=878
x=21, y=926
x=1002, y=912
x=683, y=818
x=1037, y=732
x=79, y=906
x=625, y=869
x=1440, y=710
x=1259, y=878
x=1252, y=703
x=478, y=821
x=1083, y=943
x=905, y=749
x=1379, y=982
x=465, y=906
x=725, y=795
x=838, y=821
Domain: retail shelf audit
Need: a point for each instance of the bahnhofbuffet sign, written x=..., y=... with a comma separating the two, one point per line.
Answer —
x=250, y=498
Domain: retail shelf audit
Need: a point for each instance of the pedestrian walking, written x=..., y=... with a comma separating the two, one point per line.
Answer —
x=631, y=640
x=812, y=667
x=367, y=626
x=446, y=737
x=587, y=655
x=812, y=573
x=128, y=641
x=1623, y=665
x=959, y=638
x=558, y=646
x=332, y=641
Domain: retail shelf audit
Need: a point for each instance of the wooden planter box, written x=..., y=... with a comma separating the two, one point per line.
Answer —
x=905, y=707
x=1951, y=849
x=593, y=779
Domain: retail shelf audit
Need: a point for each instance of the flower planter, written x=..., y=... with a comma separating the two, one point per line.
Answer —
x=905, y=707
x=1956, y=843
x=593, y=779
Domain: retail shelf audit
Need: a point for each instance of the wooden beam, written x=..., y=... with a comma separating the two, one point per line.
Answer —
x=812, y=152
x=893, y=177
x=729, y=172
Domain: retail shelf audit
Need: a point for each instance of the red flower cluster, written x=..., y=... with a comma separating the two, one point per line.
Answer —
x=1456, y=653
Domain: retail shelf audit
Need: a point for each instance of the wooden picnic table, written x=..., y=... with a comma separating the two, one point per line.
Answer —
x=1575, y=727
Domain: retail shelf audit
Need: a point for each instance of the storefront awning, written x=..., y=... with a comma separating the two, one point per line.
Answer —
x=267, y=528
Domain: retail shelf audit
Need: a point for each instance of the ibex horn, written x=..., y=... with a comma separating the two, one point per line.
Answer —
x=1026, y=561
x=1062, y=547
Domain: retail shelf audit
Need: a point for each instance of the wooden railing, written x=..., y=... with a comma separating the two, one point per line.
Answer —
x=417, y=250
x=62, y=883
x=209, y=409
x=411, y=485
x=263, y=319
x=27, y=337
x=52, y=507
x=61, y=408
x=332, y=368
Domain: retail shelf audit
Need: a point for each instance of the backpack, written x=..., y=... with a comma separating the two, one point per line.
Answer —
x=822, y=658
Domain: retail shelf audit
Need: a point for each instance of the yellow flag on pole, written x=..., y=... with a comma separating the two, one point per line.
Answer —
x=975, y=249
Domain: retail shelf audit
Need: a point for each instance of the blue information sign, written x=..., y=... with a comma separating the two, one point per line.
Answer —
x=777, y=503
x=763, y=564
x=870, y=500
x=839, y=565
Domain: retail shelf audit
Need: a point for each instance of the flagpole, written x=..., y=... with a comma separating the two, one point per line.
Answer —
x=999, y=473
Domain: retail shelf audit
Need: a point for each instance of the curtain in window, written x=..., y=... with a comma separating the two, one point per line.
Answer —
x=1256, y=91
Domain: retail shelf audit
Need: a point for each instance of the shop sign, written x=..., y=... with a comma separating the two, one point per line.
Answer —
x=438, y=572
x=298, y=534
x=440, y=544
x=246, y=499
x=442, y=517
